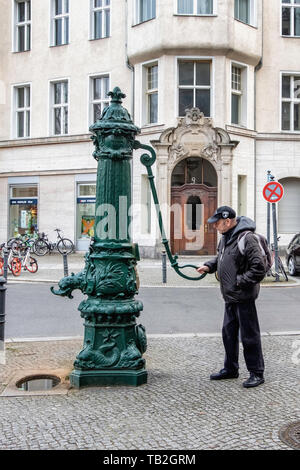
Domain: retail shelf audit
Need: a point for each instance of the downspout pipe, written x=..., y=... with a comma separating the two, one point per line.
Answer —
x=128, y=64
x=257, y=68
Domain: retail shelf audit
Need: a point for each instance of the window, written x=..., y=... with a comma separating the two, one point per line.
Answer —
x=195, y=7
x=22, y=14
x=85, y=217
x=145, y=10
x=290, y=106
x=194, y=82
x=60, y=22
x=244, y=10
x=151, y=115
x=238, y=95
x=22, y=111
x=98, y=96
x=59, y=107
x=290, y=18
x=23, y=209
x=100, y=18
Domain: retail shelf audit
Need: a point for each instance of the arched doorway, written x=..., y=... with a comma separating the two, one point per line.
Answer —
x=289, y=206
x=193, y=200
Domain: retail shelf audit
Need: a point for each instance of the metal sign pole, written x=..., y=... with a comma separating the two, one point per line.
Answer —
x=2, y=319
x=275, y=240
x=268, y=214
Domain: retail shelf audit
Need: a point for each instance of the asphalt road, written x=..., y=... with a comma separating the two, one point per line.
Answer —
x=33, y=311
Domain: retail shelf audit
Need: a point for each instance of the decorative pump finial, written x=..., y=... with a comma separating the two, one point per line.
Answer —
x=116, y=95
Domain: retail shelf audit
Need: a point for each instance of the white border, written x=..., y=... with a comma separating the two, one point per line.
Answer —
x=142, y=87
x=246, y=68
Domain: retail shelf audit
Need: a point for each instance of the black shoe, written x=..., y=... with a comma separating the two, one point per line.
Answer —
x=224, y=374
x=253, y=381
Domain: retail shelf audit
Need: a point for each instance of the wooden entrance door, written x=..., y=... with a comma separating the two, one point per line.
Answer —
x=191, y=235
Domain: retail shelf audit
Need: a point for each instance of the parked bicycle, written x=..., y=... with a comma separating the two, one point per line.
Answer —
x=43, y=246
x=281, y=270
x=27, y=239
x=14, y=263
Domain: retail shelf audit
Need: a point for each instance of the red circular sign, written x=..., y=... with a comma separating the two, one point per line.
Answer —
x=273, y=191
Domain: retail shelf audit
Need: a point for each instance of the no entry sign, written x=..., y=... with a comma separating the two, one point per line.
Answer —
x=273, y=191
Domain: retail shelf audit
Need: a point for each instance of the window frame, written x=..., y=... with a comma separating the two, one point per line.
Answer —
x=243, y=93
x=91, y=101
x=24, y=109
x=291, y=100
x=214, y=10
x=146, y=92
x=212, y=81
x=252, y=13
x=16, y=25
x=63, y=16
x=58, y=105
x=292, y=5
x=137, y=18
x=94, y=9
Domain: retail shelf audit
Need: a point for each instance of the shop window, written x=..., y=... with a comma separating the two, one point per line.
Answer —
x=23, y=210
x=86, y=203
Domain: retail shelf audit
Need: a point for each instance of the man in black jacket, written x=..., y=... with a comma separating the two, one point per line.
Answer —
x=239, y=277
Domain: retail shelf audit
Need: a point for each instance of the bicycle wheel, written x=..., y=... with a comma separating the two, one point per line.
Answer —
x=32, y=265
x=41, y=248
x=282, y=270
x=16, y=266
x=65, y=246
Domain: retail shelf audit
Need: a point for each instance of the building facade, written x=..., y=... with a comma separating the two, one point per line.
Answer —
x=214, y=86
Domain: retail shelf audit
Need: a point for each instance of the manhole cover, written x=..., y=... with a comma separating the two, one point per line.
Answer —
x=290, y=435
x=37, y=383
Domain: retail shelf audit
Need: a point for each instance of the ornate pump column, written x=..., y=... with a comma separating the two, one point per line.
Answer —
x=113, y=342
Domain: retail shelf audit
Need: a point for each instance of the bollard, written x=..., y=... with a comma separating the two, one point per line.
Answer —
x=2, y=319
x=164, y=267
x=5, y=265
x=65, y=260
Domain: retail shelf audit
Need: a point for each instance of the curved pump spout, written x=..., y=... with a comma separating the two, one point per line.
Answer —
x=148, y=160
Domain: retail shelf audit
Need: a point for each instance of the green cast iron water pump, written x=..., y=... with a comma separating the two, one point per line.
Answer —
x=113, y=341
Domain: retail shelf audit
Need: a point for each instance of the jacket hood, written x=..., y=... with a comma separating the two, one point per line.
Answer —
x=243, y=223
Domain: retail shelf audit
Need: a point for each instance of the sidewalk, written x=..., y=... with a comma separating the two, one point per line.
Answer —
x=150, y=272
x=179, y=407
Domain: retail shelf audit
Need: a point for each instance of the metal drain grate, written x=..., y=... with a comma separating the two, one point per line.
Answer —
x=290, y=435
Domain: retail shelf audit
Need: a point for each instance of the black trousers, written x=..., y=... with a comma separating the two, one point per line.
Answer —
x=242, y=316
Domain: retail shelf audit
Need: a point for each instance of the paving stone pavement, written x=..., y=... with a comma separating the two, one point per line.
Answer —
x=179, y=407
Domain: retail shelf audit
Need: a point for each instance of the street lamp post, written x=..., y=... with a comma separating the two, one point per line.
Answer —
x=113, y=341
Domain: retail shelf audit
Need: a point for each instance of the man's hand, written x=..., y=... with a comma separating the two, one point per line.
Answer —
x=203, y=269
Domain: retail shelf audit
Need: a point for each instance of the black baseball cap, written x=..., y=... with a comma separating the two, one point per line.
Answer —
x=223, y=212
